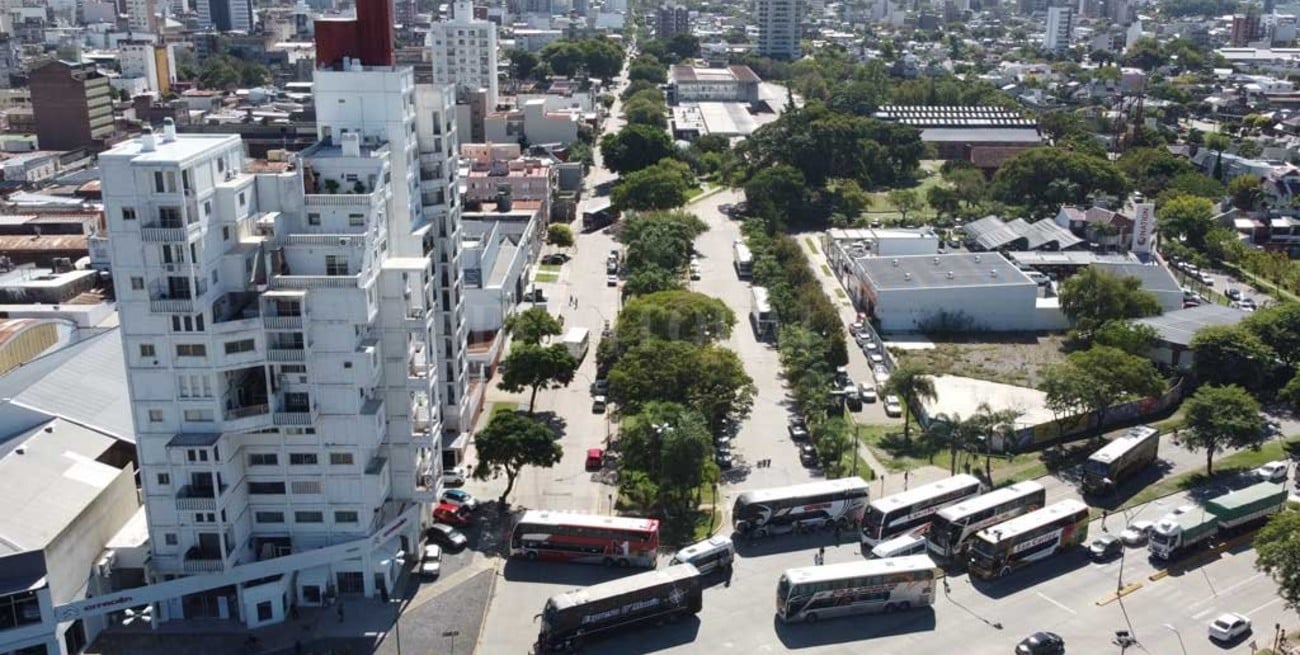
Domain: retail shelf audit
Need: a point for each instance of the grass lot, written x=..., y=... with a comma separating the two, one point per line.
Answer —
x=1224, y=467
x=886, y=442
x=502, y=406
x=884, y=210
x=546, y=277
x=550, y=268
x=694, y=192
x=826, y=270
x=812, y=245
x=1009, y=359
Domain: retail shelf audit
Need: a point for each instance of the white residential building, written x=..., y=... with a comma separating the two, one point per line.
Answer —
x=464, y=52
x=1060, y=28
x=142, y=15
x=778, y=28
x=225, y=15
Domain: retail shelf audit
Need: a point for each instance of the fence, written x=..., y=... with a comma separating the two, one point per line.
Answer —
x=1076, y=427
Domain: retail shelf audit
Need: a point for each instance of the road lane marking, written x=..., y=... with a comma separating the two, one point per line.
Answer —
x=1044, y=597
x=1271, y=602
x=1201, y=614
x=1229, y=589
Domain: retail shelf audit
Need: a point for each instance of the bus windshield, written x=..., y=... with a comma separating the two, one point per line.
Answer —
x=984, y=548
x=875, y=519
x=1095, y=467
x=943, y=533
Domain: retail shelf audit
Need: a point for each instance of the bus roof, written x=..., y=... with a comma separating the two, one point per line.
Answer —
x=698, y=547
x=1021, y=524
x=742, y=250
x=806, y=489
x=811, y=574
x=906, y=498
x=548, y=517
x=760, y=298
x=1120, y=445
x=990, y=499
x=621, y=586
x=597, y=204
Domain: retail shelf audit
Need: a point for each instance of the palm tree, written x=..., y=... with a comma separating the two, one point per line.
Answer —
x=988, y=423
x=955, y=433
x=910, y=383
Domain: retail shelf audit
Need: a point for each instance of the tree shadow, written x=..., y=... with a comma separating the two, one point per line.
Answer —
x=1132, y=486
x=896, y=446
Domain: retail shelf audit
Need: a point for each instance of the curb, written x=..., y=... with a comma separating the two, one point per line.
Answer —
x=1123, y=591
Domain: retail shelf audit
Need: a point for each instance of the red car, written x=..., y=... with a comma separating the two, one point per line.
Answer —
x=451, y=514
x=595, y=459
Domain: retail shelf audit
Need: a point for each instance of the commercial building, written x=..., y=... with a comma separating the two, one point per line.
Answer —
x=225, y=15
x=142, y=16
x=984, y=136
x=533, y=123
x=72, y=104
x=992, y=233
x=464, y=52
x=779, y=28
x=1060, y=28
x=156, y=64
x=671, y=20
x=696, y=84
x=1176, y=329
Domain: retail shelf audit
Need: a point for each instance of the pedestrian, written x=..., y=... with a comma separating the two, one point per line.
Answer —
x=906, y=474
x=821, y=556
x=837, y=535
x=575, y=302
x=340, y=611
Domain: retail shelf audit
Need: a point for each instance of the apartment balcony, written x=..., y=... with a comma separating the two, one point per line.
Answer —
x=318, y=281
x=190, y=497
x=250, y=417
x=170, y=233
x=282, y=322
x=201, y=561
x=286, y=354
x=296, y=415
x=361, y=201
x=172, y=306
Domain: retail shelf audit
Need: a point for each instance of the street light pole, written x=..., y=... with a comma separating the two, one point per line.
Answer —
x=1180, y=637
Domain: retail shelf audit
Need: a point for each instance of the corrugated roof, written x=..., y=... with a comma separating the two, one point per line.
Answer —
x=84, y=382
x=938, y=271
x=1179, y=326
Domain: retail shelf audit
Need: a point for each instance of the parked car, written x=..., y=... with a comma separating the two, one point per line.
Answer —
x=1041, y=643
x=867, y=392
x=555, y=258
x=611, y=280
x=1205, y=278
x=454, y=476
x=1229, y=626
x=876, y=357
x=808, y=454
x=893, y=406
x=460, y=497
x=1233, y=293
x=1248, y=304
x=447, y=536
x=534, y=296
x=595, y=459
x=431, y=561
x=598, y=405
x=452, y=514
x=600, y=387
x=695, y=273
x=723, y=459
x=1273, y=471
x=1105, y=547
x=1136, y=533
x=611, y=268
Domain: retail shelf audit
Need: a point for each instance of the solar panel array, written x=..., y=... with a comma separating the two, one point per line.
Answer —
x=953, y=116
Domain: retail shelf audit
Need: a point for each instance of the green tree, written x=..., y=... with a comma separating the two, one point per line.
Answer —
x=635, y=147
x=602, y=58
x=1094, y=296
x=944, y=200
x=684, y=46
x=1246, y=192
x=834, y=440
x=661, y=186
x=1152, y=169
x=534, y=366
x=1187, y=218
x=559, y=235
x=706, y=378
x=509, y=443
x=674, y=316
x=641, y=112
x=1277, y=553
x=1145, y=53
x=848, y=197
x=1193, y=184
x=637, y=491
x=955, y=434
x=649, y=69
x=1216, y=418
x=905, y=201
x=1217, y=142
x=670, y=444
x=1290, y=394
x=1278, y=327
x=563, y=57
x=775, y=194
x=637, y=86
x=532, y=325
x=1097, y=379
x=913, y=385
x=1043, y=179
x=522, y=63
x=1133, y=338
x=1231, y=354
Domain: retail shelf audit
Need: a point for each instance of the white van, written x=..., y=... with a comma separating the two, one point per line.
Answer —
x=708, y=555
x=577, y=340
x=908, y=544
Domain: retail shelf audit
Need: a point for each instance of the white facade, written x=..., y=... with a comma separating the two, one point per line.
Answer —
x=1060, y=28
x=141, y=15
x=778, y=28
x=140, y=61
x=279, y=349
x=225, y=15
x=464, y=52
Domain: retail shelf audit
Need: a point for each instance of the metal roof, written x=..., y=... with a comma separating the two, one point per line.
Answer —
x=1179, y=326
x=1153, y=277
x=939, y=271
x=84, y=382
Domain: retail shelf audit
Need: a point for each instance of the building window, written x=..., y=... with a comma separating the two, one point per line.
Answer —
x=128, y=213
x=225, y=232
x=345, y=517
x=263, y=459
x=313, y=219
x=341, y=459
x=205, y=517
x=243, y=200
x=164, y=478
x=137, y=283
x=302, y=459
x=266, y=488
x=336, y=265
x=199, y=416
x=191, y=349
x=170, y=539
x=241, y=346
x=356, y=219
x=306, y=487
x=196, y=455
x=308, y=517
x=269, y=517
x=264, y=611
x=147, y=350
x=155, y=416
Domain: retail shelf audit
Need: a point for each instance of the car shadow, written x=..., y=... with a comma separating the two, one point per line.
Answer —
x=562, y=573
x=649, y=638
x=853, y=628
x=1033, y=574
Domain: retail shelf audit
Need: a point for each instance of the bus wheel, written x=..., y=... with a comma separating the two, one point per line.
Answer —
x=810, y=617
x=828, y=524
x=623, y=563
x=1006, y=570
x=609, y=561
x=531, y=555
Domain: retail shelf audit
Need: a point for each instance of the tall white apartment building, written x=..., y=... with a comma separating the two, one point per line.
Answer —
x=280, y=337
x=464, y=52
x=1060, y=28
x=142, y=15
x=778, y=28
x=225, y=15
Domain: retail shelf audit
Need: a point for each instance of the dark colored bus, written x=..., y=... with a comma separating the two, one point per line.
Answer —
x=1120, y=459
x=813, y=504
x=573, y=618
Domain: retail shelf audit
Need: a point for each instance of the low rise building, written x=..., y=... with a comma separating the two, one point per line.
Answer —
x=1176, y=329
x=533, y=124
x=962, y=133
x=696, y=84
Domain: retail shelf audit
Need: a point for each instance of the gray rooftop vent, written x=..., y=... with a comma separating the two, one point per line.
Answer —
x=907, y=276
x=894, y=262
x=950, y=275
x=993, y=273
x=936, y=261
x=977, y=259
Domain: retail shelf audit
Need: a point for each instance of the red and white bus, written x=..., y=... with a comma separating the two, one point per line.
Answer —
x=586, y=539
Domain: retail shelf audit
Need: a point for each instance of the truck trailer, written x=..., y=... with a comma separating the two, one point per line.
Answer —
x=1190, y=526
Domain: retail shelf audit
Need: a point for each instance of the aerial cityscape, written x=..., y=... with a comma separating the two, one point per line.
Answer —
x=649, y=326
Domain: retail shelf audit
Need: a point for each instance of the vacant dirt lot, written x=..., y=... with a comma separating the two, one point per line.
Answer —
x=1018, y=359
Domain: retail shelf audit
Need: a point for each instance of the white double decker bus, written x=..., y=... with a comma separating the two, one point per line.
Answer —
x=904, y=512
x=878, y=585
x=826, y=503
x=953, y=526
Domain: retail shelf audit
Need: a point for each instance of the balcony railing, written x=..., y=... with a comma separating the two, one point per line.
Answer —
x=237, y=413
x=197, y=561
x=168, y=305
x=324, y=200
x=295, y=416
x=286, y=354
x=160, y=234
x=190, y=497
x=316, y=281
x=282, y=322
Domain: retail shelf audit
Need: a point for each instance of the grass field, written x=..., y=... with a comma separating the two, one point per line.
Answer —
x=886, y=442
x=546, y=277
x=1009, y=359
x=550, y=268
x=882, y=209
x=1224, y=467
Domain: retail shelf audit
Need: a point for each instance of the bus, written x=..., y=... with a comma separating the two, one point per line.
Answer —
x=586, y=539
x=826, y=503
x=876, y=585
x=597, y=213
x=954, y=525
x=1005, y=547
x=744, y=260
x=761, y=315
x=1120, y=459
x=571, y=618
x=903, y=512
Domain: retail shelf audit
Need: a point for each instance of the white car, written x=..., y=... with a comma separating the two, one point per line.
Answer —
x=1229, y=626
x=431, y=562
x=1272, y=471
x=893, y=406
x=611, y=281
x=867, y=392
x=1205, y=278
x=454, y=476
x=1136, y=533
x=876, y=358
x=872, y=345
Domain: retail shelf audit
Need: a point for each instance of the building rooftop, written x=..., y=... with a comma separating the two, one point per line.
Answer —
x=1153, y=277
x=981, y=134
x=1179, y=326
x=940, y=271
x=84, y=382
x=183, y=148
x=729, y=74
x=48, y=481
x=1070, y=258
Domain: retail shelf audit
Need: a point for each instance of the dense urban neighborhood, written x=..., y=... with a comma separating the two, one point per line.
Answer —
x=628, y=327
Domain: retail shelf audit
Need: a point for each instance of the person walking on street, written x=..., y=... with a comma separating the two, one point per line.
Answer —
x=340, y=611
